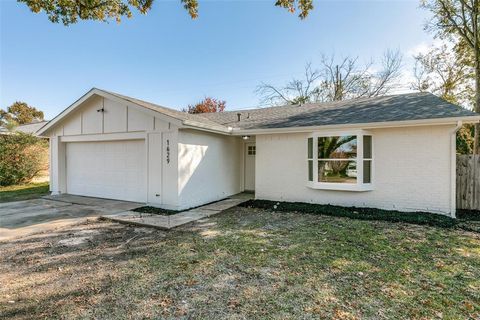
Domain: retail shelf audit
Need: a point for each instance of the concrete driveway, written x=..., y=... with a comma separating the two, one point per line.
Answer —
x=31, y=216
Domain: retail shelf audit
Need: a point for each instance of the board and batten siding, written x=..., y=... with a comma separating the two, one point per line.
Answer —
x=116, y=118
x=119, y=122
x=412, y=171
x=208, y=167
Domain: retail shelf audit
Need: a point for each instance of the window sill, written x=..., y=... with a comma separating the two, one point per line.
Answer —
x=341, y=186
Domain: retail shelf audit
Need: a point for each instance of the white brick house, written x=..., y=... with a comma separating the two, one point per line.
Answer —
x=394, y=152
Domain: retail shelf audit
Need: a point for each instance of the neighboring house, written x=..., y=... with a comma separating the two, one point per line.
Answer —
x=393, y=152
x=31, y=128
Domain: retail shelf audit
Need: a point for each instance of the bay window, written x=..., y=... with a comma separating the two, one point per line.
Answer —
x=340, y=161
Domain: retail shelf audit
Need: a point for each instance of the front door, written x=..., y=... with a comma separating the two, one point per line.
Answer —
x=250, y=152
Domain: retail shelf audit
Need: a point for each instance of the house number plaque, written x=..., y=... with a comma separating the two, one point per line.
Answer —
x=168, y=151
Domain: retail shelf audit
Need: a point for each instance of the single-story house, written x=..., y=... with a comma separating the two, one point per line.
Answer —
x=394, y=152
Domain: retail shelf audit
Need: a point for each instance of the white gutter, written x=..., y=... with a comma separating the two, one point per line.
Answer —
x=453, y=168
x=191, y=124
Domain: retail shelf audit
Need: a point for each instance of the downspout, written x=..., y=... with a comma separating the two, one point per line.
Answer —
x=453, y=169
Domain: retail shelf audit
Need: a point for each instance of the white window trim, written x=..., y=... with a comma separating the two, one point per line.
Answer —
x=359, y=186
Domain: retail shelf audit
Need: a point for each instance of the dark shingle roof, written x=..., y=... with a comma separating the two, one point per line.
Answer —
x=404, y=107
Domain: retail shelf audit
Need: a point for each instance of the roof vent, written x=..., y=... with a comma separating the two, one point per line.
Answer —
x=239, y=115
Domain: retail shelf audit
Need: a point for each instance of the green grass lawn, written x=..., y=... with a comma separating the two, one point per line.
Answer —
x=245, y=263
x=23, y=191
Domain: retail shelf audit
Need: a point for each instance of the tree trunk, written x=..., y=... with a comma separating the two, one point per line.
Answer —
x=476, y=149
x=476, y=142
x=475, y=17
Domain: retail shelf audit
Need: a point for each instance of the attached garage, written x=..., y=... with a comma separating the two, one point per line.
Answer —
x=110, y=146
x=107, y=145
x=107, y=169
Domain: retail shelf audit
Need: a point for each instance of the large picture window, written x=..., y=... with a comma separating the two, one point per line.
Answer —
x=341, y=161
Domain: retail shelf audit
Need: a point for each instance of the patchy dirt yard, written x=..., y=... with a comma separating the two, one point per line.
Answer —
x=244, y=263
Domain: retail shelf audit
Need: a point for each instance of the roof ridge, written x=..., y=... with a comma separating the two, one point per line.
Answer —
x=137, y=99
x=179, y=115
x=329, y=102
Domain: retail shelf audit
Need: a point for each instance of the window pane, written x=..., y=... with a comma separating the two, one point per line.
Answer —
x=338, y=147
x=310, y=148
x=367, y=171
x=310, y=170
x=341, y=171
x=367, y=147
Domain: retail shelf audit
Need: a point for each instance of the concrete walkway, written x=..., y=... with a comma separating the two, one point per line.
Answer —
x=172, y=221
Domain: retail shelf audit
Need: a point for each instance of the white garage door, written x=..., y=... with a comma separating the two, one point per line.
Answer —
x=110, y=169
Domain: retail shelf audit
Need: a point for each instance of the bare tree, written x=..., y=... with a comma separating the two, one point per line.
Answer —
x=388, y=77
x=439, y=71
x=340, y=80
x=294, y=92
x=443, y=71
x=460, y=19
x=336, y=80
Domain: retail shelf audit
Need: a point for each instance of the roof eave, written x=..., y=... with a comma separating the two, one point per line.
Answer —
x=368, y=125
x=191, y=124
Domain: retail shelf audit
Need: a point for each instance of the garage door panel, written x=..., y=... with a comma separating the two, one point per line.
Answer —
x=107, y=169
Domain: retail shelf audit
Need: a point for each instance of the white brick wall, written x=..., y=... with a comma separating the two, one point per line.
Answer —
x=208, y=167
x=411, y=165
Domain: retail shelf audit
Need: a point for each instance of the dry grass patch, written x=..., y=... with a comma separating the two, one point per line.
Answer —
x=244, y=263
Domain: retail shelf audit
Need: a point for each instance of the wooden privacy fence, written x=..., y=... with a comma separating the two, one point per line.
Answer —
x=468, y=182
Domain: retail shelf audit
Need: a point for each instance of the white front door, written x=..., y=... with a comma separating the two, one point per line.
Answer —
x=250, y=152
x=107, y=169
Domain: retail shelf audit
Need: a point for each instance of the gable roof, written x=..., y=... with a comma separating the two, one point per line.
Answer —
x=179, y=116
x=404, y=107
x=386, y=109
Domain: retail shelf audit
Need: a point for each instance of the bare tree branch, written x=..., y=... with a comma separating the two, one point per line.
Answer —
x=336, y=80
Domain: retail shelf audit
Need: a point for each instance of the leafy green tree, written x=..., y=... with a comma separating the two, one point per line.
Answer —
x=441, y=72
x=444, y=72
x=460, y=19
x=71, y=11
x=22, y=157
x=10, y=125
x=465, y=139
x=20, y=113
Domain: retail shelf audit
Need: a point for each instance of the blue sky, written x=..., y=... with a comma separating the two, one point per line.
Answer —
x=167, y=58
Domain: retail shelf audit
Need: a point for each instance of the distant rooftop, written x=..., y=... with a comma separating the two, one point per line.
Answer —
x=27, y=128
x=31, y=127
